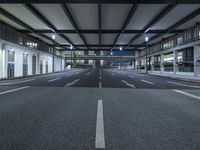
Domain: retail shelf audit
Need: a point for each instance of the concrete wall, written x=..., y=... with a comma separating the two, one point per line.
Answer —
x=18, y=62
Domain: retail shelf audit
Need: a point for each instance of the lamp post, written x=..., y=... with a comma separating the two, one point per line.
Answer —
x=53, y=37
x=120, y=58
x=79, y=53
x=146, y=39
x=71, y=47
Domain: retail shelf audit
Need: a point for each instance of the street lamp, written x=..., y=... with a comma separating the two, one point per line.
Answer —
x=53, y=37
x=71, y=47
x=79, y=53
x=146, y=40
x=120, y=59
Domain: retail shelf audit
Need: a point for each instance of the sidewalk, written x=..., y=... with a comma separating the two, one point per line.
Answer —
x=178, y=77
x=170, y=75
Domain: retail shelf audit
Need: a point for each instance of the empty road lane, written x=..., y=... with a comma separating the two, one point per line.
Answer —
x=69, y=110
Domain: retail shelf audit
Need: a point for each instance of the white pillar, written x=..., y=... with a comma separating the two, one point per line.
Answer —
x=1, y=61
x=30, y=63
x=197, y=61
x=161, y=63
x=37, y=63
x=4, y=61
x=152, y=63
x=175, y=66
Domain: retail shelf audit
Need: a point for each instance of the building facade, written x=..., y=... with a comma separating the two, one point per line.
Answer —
x=22, y=56
x=178, y=55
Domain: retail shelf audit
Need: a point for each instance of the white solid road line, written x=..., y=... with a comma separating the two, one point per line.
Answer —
x=187, y=94
x=147, y=82
x=191, y=86
x=11, y=83
x=54, y=79
x=72, y=83
x=100, y=138
x=100, y=84
x=128, y=84
x=13, y=90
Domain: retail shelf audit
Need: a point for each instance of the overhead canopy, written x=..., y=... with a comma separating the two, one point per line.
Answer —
x=101, y=26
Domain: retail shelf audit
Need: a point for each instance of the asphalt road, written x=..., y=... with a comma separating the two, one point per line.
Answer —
x=99, y=109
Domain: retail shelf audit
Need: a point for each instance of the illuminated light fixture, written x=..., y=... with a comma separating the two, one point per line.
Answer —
x=146, y=30
x=79, y=53
x=111, y=53
x=71, y=47
x=120, y=48
x=147, y=39
x=26, y=53
x=53, y=37
x=11, y=49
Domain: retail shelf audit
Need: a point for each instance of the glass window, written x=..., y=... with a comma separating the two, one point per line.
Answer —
x=25, y=58
x=179, y=40
x=11, y=56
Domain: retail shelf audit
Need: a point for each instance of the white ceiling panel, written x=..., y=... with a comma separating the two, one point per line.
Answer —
x=55, y=14
x=44, y=39
x=20, y=12
x=114, y=15
x=108, y=38
x=10, y=22
x=141, y=39
x=85, y=15
x=58, y=39
x=178, y=13
x=144, y=14
x=189, y=24
x=74, y=38
x=91, y=38
x=125, y=38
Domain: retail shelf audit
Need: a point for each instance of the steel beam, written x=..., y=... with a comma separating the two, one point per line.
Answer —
x=71, y=19
x=104, y=1
x=127, y=21
x=154, y=21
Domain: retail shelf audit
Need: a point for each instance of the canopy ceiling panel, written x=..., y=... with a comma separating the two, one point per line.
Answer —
x=92, y=38
x=55, y=14
x=20, y=12
x=85, y=15
x=108, y=38
x=124, y=38
x=44, y=39
x=144, y=14
x=113, y=16
x=189, y=24
x=75, y=38
x=141, y=39
x=58, y=39
x=179, y=12
x=11, y=23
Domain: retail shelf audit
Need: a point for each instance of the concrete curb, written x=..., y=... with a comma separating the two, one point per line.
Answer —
x=169, y=77
x=29, y=76
x=177, y=78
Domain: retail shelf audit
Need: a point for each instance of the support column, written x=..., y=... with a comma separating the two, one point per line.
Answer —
x=161, y=63
x=152, y=63
x=1, y=61
x=175, y=66
x=197, y=61
x=37, y=63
